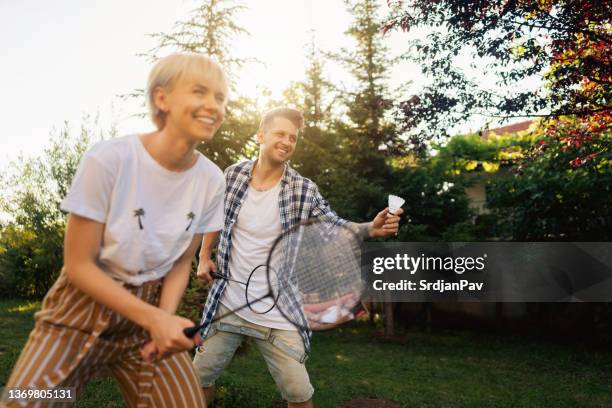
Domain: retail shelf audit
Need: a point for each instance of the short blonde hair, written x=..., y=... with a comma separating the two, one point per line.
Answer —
x=167, y=70
x=293, y=115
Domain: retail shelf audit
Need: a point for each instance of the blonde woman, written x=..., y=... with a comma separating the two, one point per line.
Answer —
x=138, y=209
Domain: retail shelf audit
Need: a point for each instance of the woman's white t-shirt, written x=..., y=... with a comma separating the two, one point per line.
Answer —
x=150, y=213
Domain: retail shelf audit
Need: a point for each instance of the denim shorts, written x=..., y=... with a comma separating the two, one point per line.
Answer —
x=283, y=351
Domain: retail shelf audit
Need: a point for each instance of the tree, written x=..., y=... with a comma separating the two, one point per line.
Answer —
x=532, y=194
x=317, y=154
x=211, y=29
x=437, y=207
x=567, y=44
x=368, y=138
x=31, y=239
x=369, y=64
x=545, y=199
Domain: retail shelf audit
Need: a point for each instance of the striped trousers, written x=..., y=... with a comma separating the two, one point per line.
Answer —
x=75, y=337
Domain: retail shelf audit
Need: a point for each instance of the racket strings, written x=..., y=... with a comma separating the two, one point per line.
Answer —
x=313, y=275
x=326, y=263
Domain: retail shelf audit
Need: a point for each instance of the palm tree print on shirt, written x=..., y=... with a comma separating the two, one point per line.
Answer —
x=190, y=216
x=140, y=214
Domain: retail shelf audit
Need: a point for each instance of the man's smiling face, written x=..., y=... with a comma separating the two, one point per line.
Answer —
x=278, y=140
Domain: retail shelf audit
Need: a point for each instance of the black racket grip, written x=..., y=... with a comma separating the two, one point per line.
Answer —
x=191, y=331
x=216, y=275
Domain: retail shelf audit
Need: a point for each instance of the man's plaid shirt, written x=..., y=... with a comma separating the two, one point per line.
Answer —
x=299, y=200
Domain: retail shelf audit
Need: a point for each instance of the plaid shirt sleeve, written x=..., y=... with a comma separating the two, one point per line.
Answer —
x=321, y=209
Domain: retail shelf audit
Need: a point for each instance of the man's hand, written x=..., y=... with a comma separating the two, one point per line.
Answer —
x=205, y=267
x=331, y=314
x=385, y=223
x=316, y=325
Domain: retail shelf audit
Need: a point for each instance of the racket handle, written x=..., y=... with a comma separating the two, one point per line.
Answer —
x=216, y=275
x=191, y=331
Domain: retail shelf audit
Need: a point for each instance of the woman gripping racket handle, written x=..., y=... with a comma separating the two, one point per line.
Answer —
x=190, y=332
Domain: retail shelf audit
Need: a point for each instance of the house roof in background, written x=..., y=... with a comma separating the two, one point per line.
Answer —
x=513, y=128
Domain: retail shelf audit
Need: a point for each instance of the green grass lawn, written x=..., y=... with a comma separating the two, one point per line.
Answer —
x=443, y=369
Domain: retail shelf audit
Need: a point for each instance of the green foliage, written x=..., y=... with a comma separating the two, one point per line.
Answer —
x=565, y=43
x=545, y=199
x=436, y=204
x=31, y=240
x=367, y=138
x=467, y=152
x=437, y=369
x=30, y=260
x=233, y=141
x=532, y=193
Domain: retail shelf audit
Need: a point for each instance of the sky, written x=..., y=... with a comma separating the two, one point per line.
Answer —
x=63, y=60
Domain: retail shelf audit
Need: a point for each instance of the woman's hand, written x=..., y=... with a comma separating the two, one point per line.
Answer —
x=167, y=336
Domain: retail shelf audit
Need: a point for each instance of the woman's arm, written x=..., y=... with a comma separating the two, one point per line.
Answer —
x=81, y=250
x=177, y=279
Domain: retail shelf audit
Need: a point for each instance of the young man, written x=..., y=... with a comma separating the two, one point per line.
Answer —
x=138, y=206
x=263, y=199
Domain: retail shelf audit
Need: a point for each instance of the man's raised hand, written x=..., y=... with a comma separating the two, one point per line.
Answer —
x=385, y=223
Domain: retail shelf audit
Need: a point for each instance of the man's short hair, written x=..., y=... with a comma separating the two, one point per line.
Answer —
x=293, y=115
x=168, y=69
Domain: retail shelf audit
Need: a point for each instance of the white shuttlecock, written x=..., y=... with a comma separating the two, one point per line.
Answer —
x=331, y=315
x=335, y=314
x=395, y=203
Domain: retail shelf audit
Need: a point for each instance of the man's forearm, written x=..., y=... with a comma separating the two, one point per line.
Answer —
x=364, y=229
x=208, y=243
